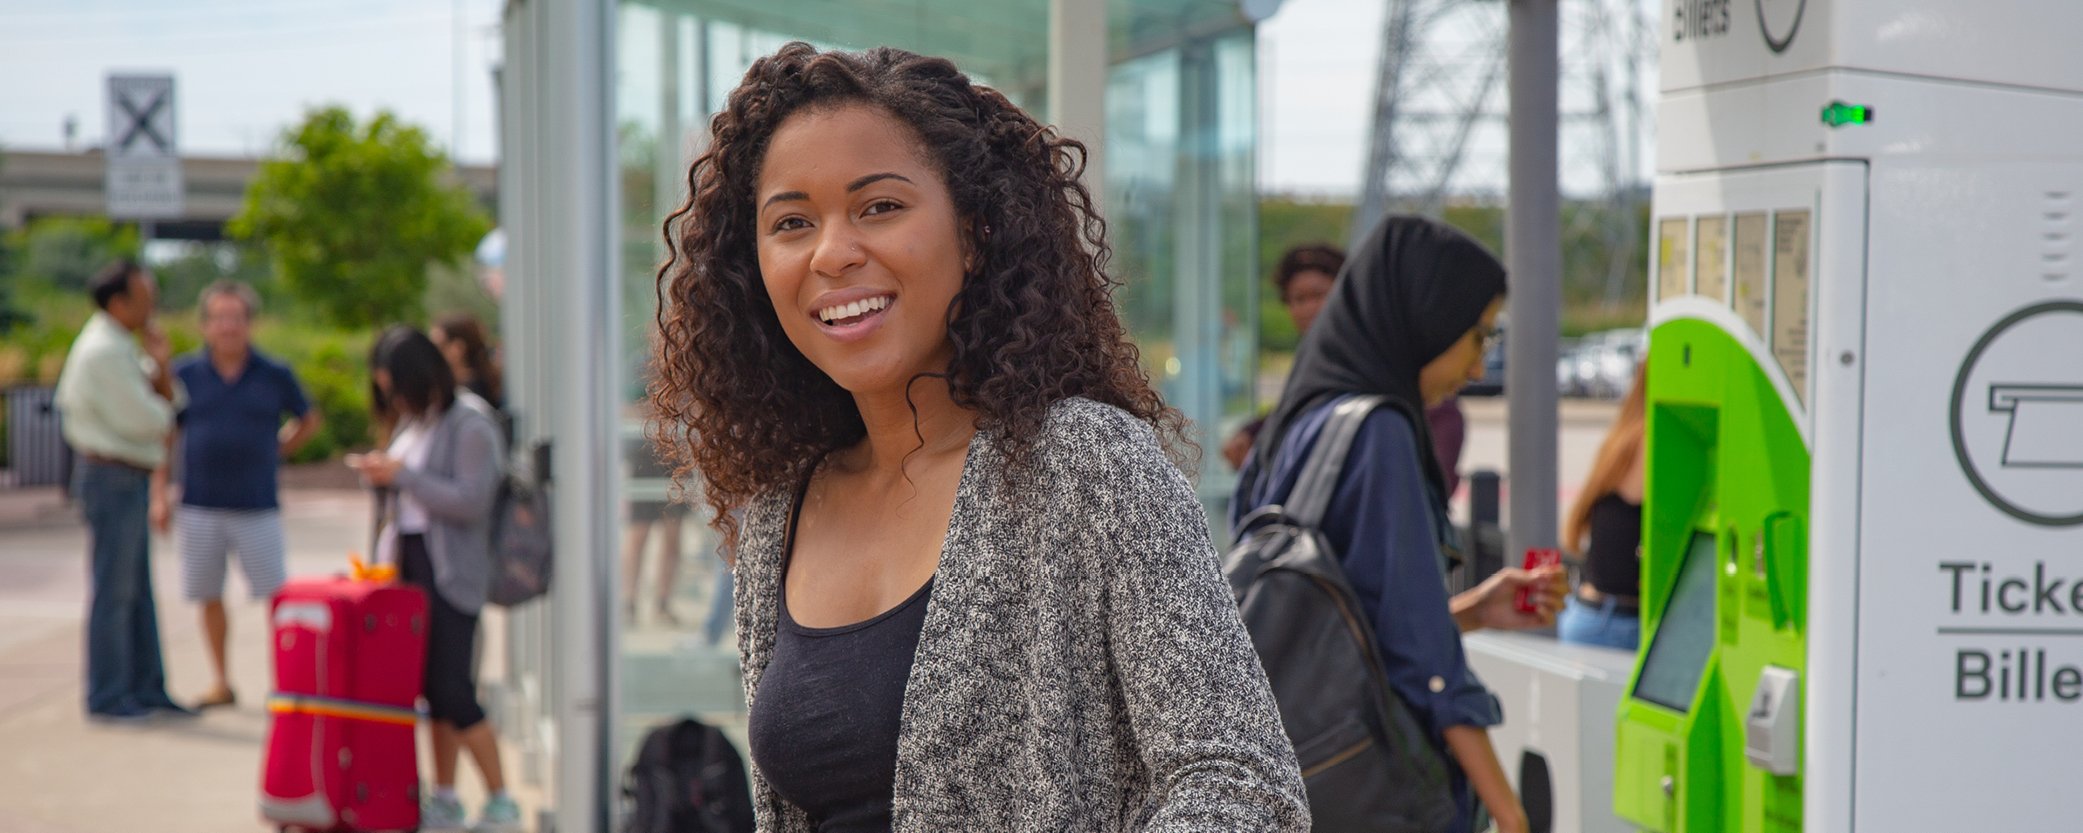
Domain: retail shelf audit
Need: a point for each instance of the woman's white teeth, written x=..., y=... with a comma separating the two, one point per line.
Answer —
x=852, y=310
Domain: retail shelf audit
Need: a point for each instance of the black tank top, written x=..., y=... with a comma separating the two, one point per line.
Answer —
x=1613, y=563
x=823, y=728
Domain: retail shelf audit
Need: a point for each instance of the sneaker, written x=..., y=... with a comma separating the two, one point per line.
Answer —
x=501, y=815
x=440, y=814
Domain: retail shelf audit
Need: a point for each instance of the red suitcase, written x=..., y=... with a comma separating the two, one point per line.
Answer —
x=348, y=660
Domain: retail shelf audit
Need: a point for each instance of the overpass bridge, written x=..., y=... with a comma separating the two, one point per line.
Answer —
x=37, y=184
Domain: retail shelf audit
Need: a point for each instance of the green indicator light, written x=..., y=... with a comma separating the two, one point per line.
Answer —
x=1839, y=114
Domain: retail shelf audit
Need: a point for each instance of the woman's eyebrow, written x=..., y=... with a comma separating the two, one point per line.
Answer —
x=870, y=179
x=785, y=196
x=856, y=185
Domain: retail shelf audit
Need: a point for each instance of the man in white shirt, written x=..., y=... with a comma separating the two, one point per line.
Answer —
x=118, y=401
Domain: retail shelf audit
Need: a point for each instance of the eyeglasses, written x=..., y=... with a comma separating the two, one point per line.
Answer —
x=1486, y=336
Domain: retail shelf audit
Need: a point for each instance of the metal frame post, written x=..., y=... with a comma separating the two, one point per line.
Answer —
x=1078, y=64
x=1533, y=249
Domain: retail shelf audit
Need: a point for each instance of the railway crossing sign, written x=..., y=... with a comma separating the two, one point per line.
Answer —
x=144, y=164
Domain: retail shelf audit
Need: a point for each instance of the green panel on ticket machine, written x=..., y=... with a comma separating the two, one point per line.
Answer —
x=1709, y=735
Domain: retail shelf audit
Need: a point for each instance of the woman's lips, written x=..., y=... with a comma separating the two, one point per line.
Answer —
x=856, y=327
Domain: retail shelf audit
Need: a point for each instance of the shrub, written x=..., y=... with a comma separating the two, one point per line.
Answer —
x=332, y=365
x=65, y=252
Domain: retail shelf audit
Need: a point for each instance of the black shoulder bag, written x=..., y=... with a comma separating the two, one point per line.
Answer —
x=1366, y=761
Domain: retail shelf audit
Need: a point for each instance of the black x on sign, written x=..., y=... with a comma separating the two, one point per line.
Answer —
x=142, y=154
x=141, y=116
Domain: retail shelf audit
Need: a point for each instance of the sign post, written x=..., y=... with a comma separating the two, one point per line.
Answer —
x=144, y=164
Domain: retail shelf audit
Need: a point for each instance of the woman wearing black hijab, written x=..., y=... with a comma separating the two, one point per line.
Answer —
x=1408, y=320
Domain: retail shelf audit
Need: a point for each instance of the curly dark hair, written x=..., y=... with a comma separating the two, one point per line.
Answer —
x=1308, y=257
x=1033, y=323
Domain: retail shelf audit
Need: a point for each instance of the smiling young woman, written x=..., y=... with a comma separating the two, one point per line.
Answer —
x=967, y=564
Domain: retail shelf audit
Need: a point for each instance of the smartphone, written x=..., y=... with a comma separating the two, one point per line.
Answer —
x=1536, y=558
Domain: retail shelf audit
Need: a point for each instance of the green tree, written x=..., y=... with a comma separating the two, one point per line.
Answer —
x=182, y=279
x=65, y=252
x=10, y=315
x=354, y=215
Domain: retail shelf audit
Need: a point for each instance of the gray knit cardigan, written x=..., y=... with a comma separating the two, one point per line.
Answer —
x=1082, y=665
x=466, y=460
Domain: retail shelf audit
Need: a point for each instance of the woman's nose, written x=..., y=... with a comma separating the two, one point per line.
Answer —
x=838, y=249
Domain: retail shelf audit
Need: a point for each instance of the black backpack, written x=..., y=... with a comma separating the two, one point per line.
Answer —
x=687, y=778
x=1366, y=761
x=522, y=554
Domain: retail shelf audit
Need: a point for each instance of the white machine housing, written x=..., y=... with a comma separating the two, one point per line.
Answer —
x=1556, y=742
x=1916, y=293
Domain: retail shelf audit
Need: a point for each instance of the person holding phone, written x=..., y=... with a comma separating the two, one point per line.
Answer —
x=441, y=472
x=1408, y=320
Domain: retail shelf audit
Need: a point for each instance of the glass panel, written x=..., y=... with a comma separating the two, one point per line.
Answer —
x=1182, y=214
x=1002, y=44
x=678, y=655
x=1141, y=179
x=1236, y=65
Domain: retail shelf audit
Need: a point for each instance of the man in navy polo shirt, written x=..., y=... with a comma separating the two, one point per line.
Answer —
x=245, y=414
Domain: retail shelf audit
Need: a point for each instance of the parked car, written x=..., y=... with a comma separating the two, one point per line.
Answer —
x=1585, y=373
x=1566, y=380
x=1608, y=368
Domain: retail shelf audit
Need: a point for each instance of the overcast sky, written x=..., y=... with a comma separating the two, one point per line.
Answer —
x=247, y=68
x=1316, y=85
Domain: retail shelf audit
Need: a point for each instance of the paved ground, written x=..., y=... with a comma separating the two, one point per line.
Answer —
x=60, y=774
x=1581, y=426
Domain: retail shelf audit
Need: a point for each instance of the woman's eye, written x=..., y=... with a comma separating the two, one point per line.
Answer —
x=790, y=224
x=881, y=207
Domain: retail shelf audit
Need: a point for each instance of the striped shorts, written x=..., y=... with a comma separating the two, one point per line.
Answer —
x=208, y=537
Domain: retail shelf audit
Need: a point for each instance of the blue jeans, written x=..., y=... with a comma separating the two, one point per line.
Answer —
x=1582, y=624
x=124, y=673
x=719, y=605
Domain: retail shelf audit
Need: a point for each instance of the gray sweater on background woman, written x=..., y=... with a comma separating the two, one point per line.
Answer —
x=1082, y=665
x=466, y=461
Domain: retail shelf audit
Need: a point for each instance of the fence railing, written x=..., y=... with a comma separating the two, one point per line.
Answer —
x=35, y=444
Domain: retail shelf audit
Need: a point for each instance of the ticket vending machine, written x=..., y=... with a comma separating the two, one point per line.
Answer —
x=1863, y=533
